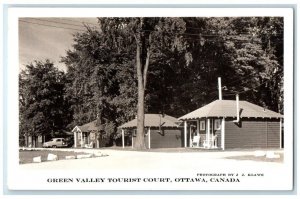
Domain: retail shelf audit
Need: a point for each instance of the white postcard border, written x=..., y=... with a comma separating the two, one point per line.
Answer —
x=36, y=180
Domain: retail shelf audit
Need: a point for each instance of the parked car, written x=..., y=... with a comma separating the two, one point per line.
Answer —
x=55, y=142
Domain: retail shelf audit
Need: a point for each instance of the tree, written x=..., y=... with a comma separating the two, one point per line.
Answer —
x=255, y=59
x=147, y=33
x=129, y=66
x=91, y=82
x=43, y=109
x=237, y=50
x=271, y=34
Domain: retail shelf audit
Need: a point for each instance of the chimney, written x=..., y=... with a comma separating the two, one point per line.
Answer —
x=220, y=88
x=237, y=108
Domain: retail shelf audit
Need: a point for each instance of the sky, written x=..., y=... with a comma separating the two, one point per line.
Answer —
x=48, y=38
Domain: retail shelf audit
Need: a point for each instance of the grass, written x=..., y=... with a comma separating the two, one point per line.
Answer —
x=26, y=156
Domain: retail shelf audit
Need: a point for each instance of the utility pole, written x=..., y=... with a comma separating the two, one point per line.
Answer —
x=223, y=118
x=220, y=88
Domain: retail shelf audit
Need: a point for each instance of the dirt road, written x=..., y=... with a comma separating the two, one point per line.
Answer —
x=133, y=160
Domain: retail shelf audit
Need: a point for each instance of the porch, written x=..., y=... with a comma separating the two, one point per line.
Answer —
x=203, y=142
x=85, y=139
x=206, y=133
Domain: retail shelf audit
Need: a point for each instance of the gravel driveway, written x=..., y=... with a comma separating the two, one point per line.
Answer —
x=132, y=160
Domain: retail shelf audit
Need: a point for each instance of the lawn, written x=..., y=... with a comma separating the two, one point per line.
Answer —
x=27, y=156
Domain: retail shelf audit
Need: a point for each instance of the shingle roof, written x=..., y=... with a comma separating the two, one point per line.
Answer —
x=154, y=120
x=91, y=126
x=227, y=108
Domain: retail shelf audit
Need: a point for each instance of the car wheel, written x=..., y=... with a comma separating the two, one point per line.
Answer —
x=54, y=146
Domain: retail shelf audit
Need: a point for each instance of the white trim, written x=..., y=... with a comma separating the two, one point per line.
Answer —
x=77, y=128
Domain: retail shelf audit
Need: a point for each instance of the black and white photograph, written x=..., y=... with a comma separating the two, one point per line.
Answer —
x=156, y=100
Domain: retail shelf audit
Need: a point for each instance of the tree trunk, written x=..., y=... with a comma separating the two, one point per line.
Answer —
x=142, y=70
x=139, y=141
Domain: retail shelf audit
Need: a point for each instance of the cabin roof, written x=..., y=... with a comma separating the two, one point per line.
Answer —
x=227, y=108
x=154, y=120
x=91, y=126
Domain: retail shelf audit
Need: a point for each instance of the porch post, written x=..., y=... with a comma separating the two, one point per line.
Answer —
x=280, y=133
x=223, y=133
x=208, y=133
x=81, y=140
x=190, y=136
x=25, y=140
x=212, y=131
x=198, y=127
x=149, y=138
x=98, y=139
x=132, y=139
x=185, y=133
x=29, y=141
x=123, y=141
x=75, y=139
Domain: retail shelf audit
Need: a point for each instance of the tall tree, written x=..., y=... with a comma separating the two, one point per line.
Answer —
x=93, y=84
x=147, y=33
x=141, y=29
x=43, y=109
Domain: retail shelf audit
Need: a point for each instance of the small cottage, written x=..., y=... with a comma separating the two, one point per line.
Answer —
x=34, y=141
x=227, y=124
x=87, y=135
x=161, y=131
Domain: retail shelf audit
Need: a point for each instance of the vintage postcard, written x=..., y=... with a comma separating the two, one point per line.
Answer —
x=150, y=99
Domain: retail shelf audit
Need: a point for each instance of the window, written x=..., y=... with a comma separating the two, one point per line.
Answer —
x=217, y=124
x=202, y=125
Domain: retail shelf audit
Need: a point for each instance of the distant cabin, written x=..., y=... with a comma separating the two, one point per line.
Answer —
x=34, y=141
x=228, y=124
x=87, y=135
x=161, y=131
